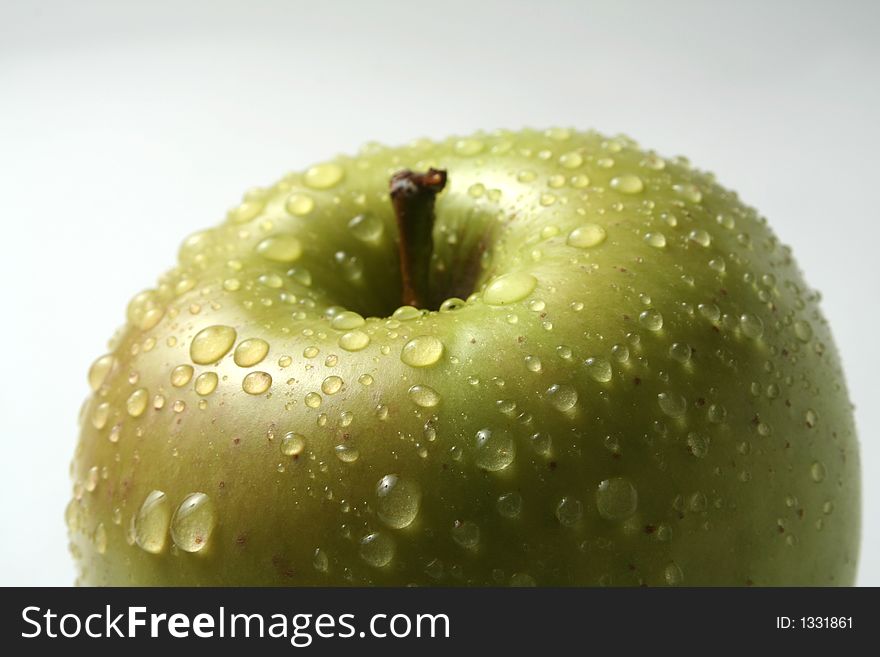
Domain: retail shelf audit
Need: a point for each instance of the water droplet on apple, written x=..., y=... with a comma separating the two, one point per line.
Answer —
x=716, y=413
x=285, y=249
x=406, y=313
x=181, y=375
x=494, y=449
x=193, y=523
x=150, y=523
x=100, y=369
x=751, y=325
x=651, y=319
x=802, y=330
x=211, y=344
x=710, y=311
x=689, y=192
x=256, y=383
x=366, y=228
x=509, y=505
x=422, y=351
x=627, y=184
x=377, y=549
x=250, y=352
x=509, y=288
x=700, y=236
x=672, y=575
x=571, y=160
x=245, y=211
x=206, y=383
x=424, y=396
x=324, y=176
x=398, y=500
x=346, y=453
x=354, y=341
x=657, y=240
x=468, y=147
x=616, y=498
x=299, y=205
x=292, y=444
x=680, y=352
x=697, y=444
x=533, y=364
x=313, y=400
x=466, y=534
x=586, y=236
x=136, y=403
x=562, y=396
x=599, y=369
x=320, y=561
x=569, y=511
x=817, y=471
x=672, y=404
x=331, y=385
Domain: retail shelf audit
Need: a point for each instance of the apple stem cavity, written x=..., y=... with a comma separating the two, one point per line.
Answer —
x=413, y=195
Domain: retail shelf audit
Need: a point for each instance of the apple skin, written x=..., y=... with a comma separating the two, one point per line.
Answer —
x=711, y=441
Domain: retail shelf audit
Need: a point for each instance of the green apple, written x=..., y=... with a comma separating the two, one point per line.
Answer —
x=615, y=375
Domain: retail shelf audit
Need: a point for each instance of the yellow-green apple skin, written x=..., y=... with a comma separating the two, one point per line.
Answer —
x=638, y=388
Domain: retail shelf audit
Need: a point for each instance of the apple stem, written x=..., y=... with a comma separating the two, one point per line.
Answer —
x=412, y=195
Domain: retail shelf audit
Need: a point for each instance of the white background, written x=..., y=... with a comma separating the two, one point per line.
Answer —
x=125, y=126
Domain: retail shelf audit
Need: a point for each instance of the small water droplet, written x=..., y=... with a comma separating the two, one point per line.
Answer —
x=324, y=176
x=468, y=147
x=181, y=375
x=136, y=404
x=751, y=325
x=700, y=236
x=817, y=471
x=256, y=383
x=206, y=383
x=424, y=396
x=657, y=240
x=346, y=453
x=803, y=331
x=680, y=351
x=571, y=160
x=627, y=184
x=673, y=575
x=366, y=228
x=299, y=205
x=586, y=236
x=689, y=192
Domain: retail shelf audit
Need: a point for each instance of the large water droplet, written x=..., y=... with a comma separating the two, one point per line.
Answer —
x=616, y=498
x=99, y=371
x=627, y=184
x=377, y=549
x=150, y=524
x=398, y=500
x=193, y=523
x=495, y=449
x=324, y=176
x=586, y=236
x=599, y=369
x=250, y=352
x=256, y=383
x=422, y=351
x=136, y=403
x=466, y=534
x=211, y=344
x=673, y=404
x=509, y=288
x=562, y=396
x=354, y=341
x=569, y=511
x=285, y=249
x=424, y=396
